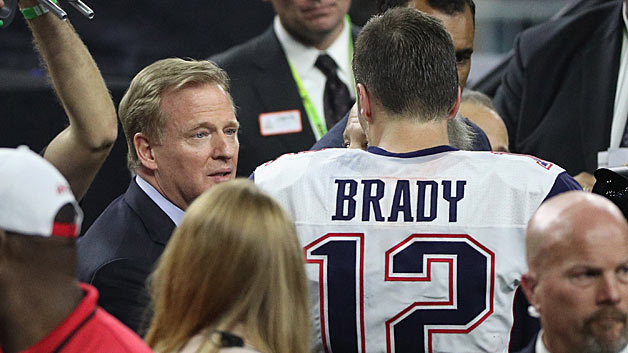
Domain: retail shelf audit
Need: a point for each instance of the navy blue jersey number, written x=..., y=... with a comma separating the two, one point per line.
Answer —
x=340, y=257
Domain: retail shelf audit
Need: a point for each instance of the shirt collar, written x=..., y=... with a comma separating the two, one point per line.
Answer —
x=302, y=57
x=174, y=212
x=419, y=153
x=540, y=345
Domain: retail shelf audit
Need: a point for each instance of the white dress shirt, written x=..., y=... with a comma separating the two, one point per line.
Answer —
x=303, y=57
x=174, y=212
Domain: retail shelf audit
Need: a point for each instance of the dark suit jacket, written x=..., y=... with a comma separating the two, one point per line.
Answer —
x=334, y=137
x=261, y=82
x=558, y=92
x=530, y=348
x=119, y=251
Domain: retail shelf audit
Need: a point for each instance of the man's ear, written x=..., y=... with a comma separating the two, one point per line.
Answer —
x=454, y=109
x=528, y=285
x=144, y=151
x=365, y=104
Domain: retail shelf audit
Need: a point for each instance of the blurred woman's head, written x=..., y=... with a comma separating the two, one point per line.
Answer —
x=235, y=259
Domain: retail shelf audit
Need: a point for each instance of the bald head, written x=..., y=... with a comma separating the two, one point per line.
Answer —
x=577, y=246
x=477, y=107
x=565, y=219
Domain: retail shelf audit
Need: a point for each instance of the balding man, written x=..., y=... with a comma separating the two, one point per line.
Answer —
x=577, y=252
x=477, y=107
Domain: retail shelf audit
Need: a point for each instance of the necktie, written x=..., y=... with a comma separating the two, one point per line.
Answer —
x=336, y=98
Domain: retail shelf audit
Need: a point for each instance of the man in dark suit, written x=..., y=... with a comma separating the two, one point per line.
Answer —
x=181, y=132
x=561, y=96
x=577, y=253
x=458, y=17
x=283, y=96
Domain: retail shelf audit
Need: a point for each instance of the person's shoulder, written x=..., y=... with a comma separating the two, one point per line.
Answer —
x=117, y=215
x=567, y=31
x=513, y=163
x=246, y=52
x=116, y=232
x=110, y=335
x=355, y=31
x=324, y=155
x=303, y=163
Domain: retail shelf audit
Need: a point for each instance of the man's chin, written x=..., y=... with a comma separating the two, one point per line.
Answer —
x=606, y=335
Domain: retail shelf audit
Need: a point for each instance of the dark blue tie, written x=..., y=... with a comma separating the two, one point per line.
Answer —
x=336, y=98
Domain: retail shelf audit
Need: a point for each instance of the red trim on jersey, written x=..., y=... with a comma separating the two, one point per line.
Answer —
x=543, y=163
x=361, y=280
x=321, y=280
x=430, y=332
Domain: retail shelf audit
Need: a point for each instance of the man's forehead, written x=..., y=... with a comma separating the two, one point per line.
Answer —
x=459, y=24
x=606, y=246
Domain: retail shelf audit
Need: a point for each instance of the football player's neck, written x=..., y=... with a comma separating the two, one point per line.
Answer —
x=403, y=135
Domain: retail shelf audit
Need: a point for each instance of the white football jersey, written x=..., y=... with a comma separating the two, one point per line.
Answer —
x=413, y=252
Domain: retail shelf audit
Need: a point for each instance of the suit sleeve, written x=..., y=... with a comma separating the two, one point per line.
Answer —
x=123, y=292
x=508, y=97
x=525, y=327
x=334, y=137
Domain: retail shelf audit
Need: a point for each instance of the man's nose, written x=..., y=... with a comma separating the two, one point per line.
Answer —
x=224, y=147
x=609, y=290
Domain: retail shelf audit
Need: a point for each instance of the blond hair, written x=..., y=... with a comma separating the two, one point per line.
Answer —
x=140, y=107
x=235, y=259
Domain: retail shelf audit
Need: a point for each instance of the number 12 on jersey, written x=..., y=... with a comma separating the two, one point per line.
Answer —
x=340, y=260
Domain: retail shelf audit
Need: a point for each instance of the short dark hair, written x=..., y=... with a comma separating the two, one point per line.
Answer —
x=450, y=7
x=406, y=60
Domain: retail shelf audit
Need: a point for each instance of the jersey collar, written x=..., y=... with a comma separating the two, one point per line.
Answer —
x=419, y=153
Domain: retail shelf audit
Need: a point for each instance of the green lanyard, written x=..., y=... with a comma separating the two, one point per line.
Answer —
x=320, y=128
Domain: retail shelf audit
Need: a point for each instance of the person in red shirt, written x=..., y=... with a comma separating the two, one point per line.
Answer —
x=43, y=308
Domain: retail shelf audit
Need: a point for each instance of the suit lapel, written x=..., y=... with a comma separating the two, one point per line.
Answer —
x=600, y=66
x=156, y=221
x=274, y=75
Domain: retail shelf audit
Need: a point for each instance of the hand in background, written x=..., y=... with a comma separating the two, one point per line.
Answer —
x=585, y=180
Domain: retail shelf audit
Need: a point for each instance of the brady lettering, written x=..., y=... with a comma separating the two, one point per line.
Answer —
x=397, y=200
